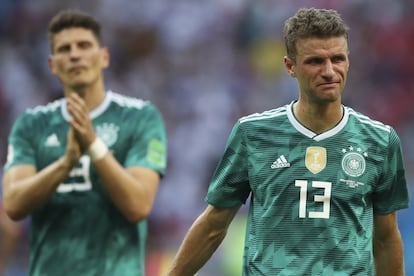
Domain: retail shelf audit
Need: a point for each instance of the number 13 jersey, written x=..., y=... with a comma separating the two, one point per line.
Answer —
x=312, y=196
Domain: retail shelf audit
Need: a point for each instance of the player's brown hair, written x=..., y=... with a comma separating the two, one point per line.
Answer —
x=73, y=19
x=312, y=22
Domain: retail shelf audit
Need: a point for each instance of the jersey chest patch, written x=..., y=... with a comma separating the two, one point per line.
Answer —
x=108, y=132
x=315, y=159
x=353, y=161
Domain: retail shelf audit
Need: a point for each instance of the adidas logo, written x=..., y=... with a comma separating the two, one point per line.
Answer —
x=281, y=162
x=52, y=141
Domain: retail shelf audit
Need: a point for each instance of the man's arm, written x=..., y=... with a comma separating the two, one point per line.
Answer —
x=9, y=236
x=202, y=240
x=132, y=189
x=25, y=189
x=388, y=247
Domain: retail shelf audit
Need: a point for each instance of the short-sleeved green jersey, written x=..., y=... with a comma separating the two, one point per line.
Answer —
x=79, y=231
x=312, y=196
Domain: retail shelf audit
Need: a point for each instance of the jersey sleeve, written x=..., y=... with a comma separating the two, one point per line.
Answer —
x=149, y=145
x=229, y=186
x=20, y=149
x=392, y=191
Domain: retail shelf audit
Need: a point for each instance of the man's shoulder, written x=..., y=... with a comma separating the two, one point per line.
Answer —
x=265, y=116
x=49, y=107
x=366, y=121
x=133, y=106
x=41, y=111
x=128, y=101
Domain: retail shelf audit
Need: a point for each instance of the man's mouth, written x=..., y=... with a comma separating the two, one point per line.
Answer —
x=328, y=84
x=76, y=69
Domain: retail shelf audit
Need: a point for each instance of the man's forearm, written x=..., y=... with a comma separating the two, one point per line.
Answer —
x=198, y=246
x=389, y=260
x=31, y=189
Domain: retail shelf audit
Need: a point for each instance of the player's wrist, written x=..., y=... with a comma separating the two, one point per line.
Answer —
x=97, y=150
x=66, y=163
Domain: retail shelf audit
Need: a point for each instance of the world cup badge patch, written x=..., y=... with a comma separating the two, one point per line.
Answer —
x=315, y=160
x=353, y=162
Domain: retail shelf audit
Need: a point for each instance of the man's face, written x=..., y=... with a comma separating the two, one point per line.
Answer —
x=321, y=68
x=77, y=59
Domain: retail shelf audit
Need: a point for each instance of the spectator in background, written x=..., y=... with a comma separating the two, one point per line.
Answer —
x=325, y=181
x=86, y=167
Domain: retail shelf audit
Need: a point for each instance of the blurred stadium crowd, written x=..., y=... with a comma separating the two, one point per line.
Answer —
x=204, y=64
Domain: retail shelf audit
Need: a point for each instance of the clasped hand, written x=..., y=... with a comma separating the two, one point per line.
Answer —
x=81, y=134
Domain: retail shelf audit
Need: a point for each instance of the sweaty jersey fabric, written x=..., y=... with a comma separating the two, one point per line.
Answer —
x=312, y=196
x=79, y=231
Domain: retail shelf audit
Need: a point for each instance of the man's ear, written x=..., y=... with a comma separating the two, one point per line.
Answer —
x=106, y=57
x=289, y=65
x=51, y=65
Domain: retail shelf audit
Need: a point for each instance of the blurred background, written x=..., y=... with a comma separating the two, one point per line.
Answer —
x=204, y=64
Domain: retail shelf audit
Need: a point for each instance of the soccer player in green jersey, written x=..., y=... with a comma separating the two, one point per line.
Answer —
x=85, y=167
x=324, y=181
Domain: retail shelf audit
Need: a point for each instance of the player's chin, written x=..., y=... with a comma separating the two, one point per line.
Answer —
x=79, y=85
x=329, y=97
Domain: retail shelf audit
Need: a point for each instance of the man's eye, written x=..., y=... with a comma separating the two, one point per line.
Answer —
x=85, y=45
x=315, y=61
x=63, y=49
x=337, y=59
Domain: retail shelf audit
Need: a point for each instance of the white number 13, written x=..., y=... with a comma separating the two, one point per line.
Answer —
x=325, y=199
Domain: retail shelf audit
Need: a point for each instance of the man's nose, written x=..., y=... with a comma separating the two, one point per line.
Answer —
x=328, y=70
x=74, y=52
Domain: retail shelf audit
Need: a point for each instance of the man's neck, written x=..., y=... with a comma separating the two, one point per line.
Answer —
x=318, y=118
x=93, y=96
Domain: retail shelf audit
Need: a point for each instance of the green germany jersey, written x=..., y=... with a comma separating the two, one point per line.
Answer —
x=312, y=196
x=79, y=231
